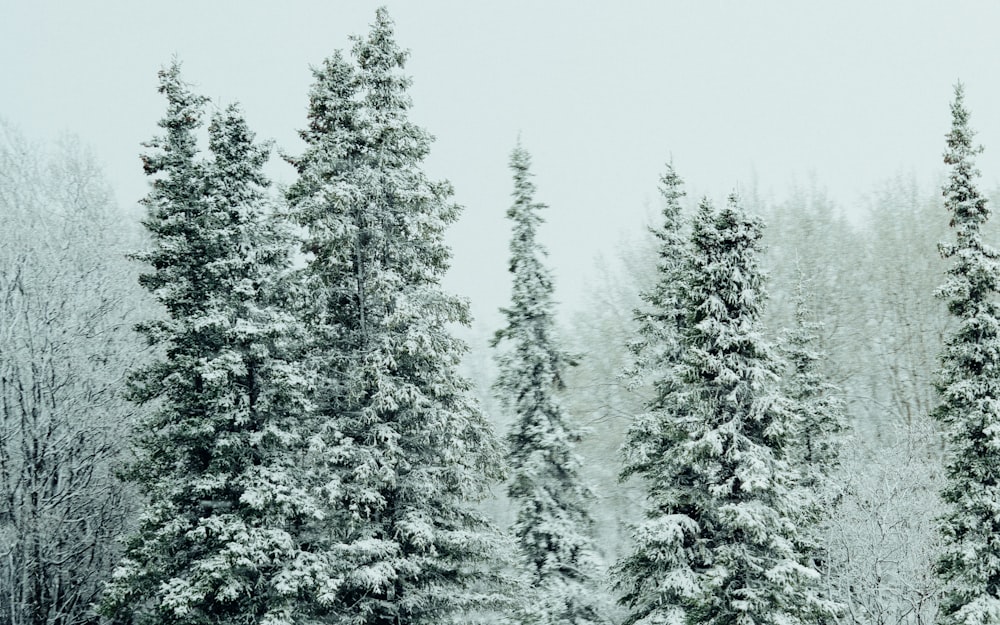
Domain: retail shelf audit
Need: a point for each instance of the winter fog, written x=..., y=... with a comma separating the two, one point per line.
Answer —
x=642, y=313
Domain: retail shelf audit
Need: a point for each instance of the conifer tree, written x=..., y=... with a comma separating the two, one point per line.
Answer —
x=407, y=448
x=659, y=321
x=231, y=534
x=819, y=424
x=553, y=526
x=815, y=400
x=969, y=385
x=720, y=544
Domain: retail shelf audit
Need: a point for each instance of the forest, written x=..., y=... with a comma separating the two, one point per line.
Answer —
x=255, y=406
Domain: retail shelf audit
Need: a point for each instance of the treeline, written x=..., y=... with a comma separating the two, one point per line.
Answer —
x=869, y=285
x=288, y=437
x=868, y=292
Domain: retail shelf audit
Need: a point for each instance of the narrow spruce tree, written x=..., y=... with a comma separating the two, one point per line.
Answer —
x=553, y=526
x=231, y=533
x=407, y=447
x=655, y=355
x=969, y=384
x=657, y=350
x=820, y=410
x=819, y=427
x=720, y=544
x=661, y=317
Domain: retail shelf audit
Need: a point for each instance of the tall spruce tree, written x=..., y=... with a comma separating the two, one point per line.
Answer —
x=819, y=425
x=553, y=525
x=407, y=447
x=231, y=533
x=969, y=385
x=815, y=400
x=720, y=544
x=660, y=319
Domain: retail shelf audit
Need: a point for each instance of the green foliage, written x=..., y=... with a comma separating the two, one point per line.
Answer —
x=405, y=447
x=969, y=387
x=553, y=525
x=720, y=543
x=232, y=532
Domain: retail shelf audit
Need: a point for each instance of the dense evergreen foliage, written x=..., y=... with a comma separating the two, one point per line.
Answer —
x=969, y=387
x=720, y=544
x=407, y=450
x=304, y=449
x=229, y=533
x=553, y=526
x=661, y=317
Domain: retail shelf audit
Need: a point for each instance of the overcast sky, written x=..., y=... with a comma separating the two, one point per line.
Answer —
x=740, y=93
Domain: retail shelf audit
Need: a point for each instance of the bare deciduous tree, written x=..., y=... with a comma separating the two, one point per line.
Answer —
x=65, y=342
x=880, y=536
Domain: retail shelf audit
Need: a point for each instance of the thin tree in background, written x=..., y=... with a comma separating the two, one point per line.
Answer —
x=553, y=525
x=67, y=303
x=820, y=410
x=720, y=544
x=969, y=385
x=407, y=447
x=819, y=430
x=655, y=355
x=232, y=533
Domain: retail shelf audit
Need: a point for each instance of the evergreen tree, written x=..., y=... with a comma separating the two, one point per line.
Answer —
x=820, y=417
x=720, y=543
x=659, y=322
x=231, y=533
x=553, y=526
x=407, y=448
x=816, y=402
x=969, y=385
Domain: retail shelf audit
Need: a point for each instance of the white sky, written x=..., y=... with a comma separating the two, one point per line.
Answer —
x=602, y=93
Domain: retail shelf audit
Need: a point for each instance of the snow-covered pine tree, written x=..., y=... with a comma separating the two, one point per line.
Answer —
x=969, y=385
x=820, y=421
x=553, y=526
x=820, y=409
x=659, y=321
x=720, y=544
x=231, y=533
x=654, y=355
x=409, y=451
